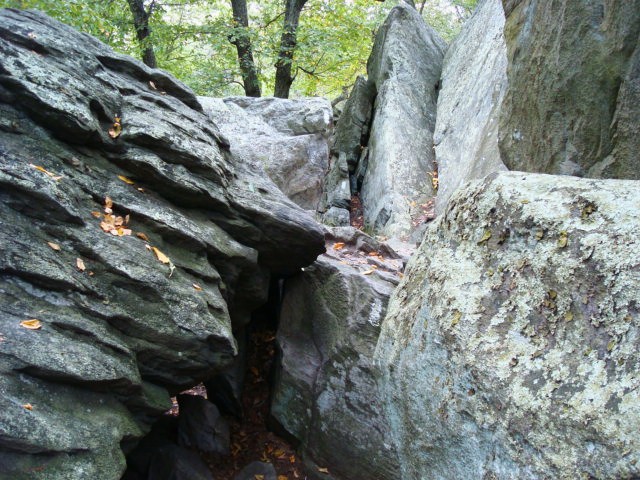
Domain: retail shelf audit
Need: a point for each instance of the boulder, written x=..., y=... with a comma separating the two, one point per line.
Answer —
x=404, y=68
x=289, y=138
x=257, y=470
x=474, y=80
x=172, y=462
x=570, y=107
x=325, y=393
x=352, y=129
x=509, y=350
x=200, y=425
x=129, y=298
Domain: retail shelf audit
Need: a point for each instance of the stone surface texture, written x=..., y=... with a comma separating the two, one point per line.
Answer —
x=289, y=138
x=325, y=393
x=404, y=67
x=572, y=104
x=122, y=327
x=473, y=84
x=510, y=347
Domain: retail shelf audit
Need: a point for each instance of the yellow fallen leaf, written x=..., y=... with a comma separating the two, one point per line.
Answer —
x=142, y=236
x=279, y=453
x=27, y=406
x=116, y=130
x=456, y=318
x=258, y=477
x=32, y=324
x=161, y=256
x=196, y=286
x=54, y=246
x=126, y=180
x=338, y=246
x=563, y=239
x=485, y=236
x=323, y=470
x=80, y=264
x=96, y=214
x=283, y=477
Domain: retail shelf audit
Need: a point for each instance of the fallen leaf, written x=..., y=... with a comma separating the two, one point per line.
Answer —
x=148, y=247
x=161, y=256
x=338, y=246
x=279, y=453
x=118, y=221
x=142, y=236
x=80, y=264
x=32, y=324
x=96, y=214
x=563, y=239
x=27, y=406
x=116, y=130
x=283, y=477
x=54, y=246
x=46, y=172
x=456, y=318
x=369, y=272
x=107, y=227
x=323, y=470
x=485, y=236
x=258, y=477
x=255, y=371
x=108, y=203
x=152, y=85
x=197, y=287
x=126, y=180
x=126, y=219
x=292, y=458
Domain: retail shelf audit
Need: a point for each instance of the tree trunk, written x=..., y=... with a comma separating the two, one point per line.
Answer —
x=141, y=23
x=245, y=53
x=284, y=79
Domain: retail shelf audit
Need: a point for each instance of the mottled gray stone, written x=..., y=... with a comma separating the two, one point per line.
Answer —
x=474, y=80
x=352, y=129
x=123, y=333
x=404, y=67
x=510, y=347
x=325, y=393
x=289, y=138
x=570, y=108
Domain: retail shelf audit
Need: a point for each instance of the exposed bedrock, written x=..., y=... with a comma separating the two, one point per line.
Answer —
x=119, y=320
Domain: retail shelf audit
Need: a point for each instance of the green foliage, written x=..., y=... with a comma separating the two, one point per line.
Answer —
x=191, y=38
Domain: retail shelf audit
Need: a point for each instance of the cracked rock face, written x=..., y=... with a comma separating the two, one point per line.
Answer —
x=572, y=105
x=510, y=347
x=124, y=326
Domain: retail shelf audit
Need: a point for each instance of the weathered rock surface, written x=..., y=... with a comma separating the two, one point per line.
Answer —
x=172, y=462
x=201, y=426
x=289, y=138
x=404, y=67
x=352, y=130
x=261, y=470
x=120, y=329
x=570, y=106
x=326, y=393
x=510, y=346
x=474, y=80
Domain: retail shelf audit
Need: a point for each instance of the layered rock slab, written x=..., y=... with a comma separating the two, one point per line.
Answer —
x=404, y=68
x=570, y=107
x=122, y=324
x=510, y=347
x=473, y=84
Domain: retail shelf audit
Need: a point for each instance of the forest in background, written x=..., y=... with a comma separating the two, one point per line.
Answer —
x=204, y=42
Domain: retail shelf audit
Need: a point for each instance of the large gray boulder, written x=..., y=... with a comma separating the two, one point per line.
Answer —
x=118, y=325
x=404, y=68
x=572, y=105
x=289, y=138
x=325, y=393
x=473, y=84
x=510, y=348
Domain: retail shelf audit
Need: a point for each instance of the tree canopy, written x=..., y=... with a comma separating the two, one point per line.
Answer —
x=197, y=40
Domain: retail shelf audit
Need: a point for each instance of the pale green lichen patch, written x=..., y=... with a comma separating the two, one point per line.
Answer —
x=547, y=341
